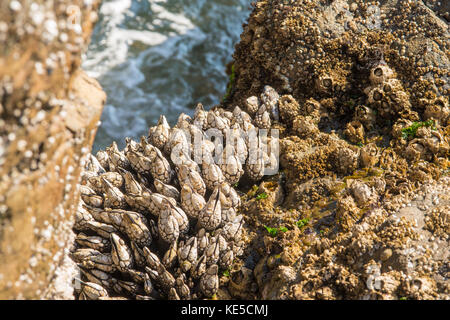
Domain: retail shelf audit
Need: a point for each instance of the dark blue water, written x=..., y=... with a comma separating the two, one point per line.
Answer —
x=160, y=57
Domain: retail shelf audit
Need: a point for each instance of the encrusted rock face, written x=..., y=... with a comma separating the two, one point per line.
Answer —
x=49, y=112
x=364, y=122
x=312, y=49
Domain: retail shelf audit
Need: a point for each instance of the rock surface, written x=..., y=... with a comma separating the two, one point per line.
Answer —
x=295, y=47
x=364, y=128
x=49, y=113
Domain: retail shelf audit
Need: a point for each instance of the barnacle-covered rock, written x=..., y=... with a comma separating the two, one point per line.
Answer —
x=103, y=158
x=380, y=74
x=252, y=105
x=438, y=221
x=95, y=242
x=415, y=150
x=93, y=259
x=90, y=197
x=187, y=254
x=92, y=291
x=269, y=98
x=347, y=213
x=361, y=193
x=231, y=165
x=369, y=155
x=170, y=256
x=346, y=160
x=200, y=116
x=166, y=190
x=117, y=158
x=211, y=215
x=209, y=283
x=241, y=282
x=436, y=143
x=304, y=126
x=289, y=109
x=262, y=118
x=159, y=134
x=424, y=142
x=324, y=83
x=438, y=109
x=310, y=107
x=212, y=175
x=389, y=98
x=193, y=178
x=132, y=186
x=366, y=116
x=375, y=73
x=214, y=121
x=121, y=254
x=354, y=131
x=168, y=228
x=191, y=202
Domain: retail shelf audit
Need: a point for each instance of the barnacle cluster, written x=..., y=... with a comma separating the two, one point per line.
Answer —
x=438, y=221
x=159, y=219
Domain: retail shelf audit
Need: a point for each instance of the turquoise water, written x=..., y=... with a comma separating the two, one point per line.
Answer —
x=160, y=57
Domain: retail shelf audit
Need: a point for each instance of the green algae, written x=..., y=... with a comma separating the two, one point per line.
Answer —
x=411, y=131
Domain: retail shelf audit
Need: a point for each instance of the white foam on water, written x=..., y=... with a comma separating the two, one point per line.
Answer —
x=115, y=47
x=118, y=39
x=179, y=23
x=115, y=116
x=160, y=57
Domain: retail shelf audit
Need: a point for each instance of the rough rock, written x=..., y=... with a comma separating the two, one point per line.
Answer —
x=295, y=47
x=49, y=113
x=364, y=134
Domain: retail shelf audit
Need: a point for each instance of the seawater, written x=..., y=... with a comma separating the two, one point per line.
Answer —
x=160, y=57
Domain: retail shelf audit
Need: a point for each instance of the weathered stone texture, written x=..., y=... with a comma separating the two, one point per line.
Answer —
x=49, y=113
